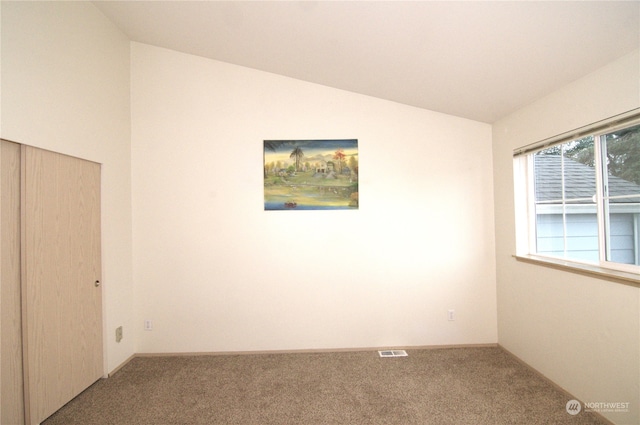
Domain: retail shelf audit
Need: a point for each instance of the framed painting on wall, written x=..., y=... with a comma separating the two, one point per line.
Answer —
x=311, y=174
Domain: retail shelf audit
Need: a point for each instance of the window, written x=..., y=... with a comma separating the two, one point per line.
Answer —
x=578, y=198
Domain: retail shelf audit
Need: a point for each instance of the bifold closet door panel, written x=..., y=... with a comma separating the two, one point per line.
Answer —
x=11, y=390
x=61, y=273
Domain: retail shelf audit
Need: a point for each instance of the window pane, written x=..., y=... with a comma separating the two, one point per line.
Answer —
x=623, y=231
x=579, y=169
x=566, y=215
x=622, y=149
x=548, y=175
x=570, y=236
x=623, y=161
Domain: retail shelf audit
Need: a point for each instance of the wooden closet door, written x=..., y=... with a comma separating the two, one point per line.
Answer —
x=11, y=390
x=62, y=303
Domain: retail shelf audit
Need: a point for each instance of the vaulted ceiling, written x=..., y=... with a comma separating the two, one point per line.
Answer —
x=474, y=59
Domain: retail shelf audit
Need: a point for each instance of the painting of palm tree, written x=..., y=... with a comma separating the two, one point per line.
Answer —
x=297, y=154
x=311, y=174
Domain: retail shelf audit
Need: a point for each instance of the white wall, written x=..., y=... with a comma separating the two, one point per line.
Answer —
x=581, y=332
x=214, y=272
x=65, y=87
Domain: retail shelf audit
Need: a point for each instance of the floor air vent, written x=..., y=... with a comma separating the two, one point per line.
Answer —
x=393, y=353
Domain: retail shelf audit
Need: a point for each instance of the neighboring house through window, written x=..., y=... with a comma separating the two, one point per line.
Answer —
x=570, y=228
x=579, y=198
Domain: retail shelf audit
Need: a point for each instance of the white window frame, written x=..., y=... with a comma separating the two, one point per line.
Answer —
x=525, y=207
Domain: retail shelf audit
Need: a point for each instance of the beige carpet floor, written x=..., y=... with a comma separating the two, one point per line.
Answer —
x=431, y=386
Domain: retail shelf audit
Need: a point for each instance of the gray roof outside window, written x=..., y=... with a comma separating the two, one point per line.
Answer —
x=580, y=181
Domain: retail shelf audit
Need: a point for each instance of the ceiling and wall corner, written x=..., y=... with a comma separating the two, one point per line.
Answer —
x=479, y=60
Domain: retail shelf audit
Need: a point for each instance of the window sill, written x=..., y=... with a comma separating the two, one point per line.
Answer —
x=626, y=278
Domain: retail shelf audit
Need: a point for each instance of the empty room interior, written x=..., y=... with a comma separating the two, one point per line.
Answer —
x=460, y=111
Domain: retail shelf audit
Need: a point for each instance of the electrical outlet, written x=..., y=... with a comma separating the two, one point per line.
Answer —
x=119, y=334
x=451, y=315
x=148, y=325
